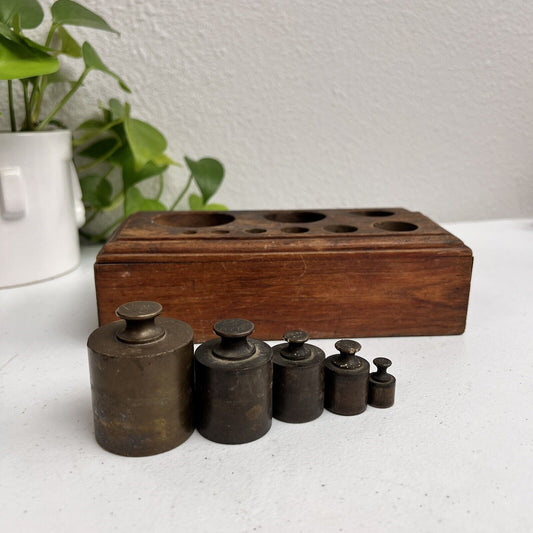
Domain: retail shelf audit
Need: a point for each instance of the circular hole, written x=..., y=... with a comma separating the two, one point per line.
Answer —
x=189, y=232
x=374, y=213
x=256, y=230
x=294, y=229
x=193, y=219
x=220, y=231
x=394, y=225
x=295, y=216
x=340, y=229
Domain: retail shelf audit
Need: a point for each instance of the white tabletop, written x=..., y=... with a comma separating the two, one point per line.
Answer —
x=455, y=453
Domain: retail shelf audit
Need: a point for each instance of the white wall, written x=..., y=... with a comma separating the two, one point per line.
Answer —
x=420, y=103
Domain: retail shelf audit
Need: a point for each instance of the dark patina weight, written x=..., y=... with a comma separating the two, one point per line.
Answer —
x=233, y=384
x=381, y=385
x=298, y=381
x=141, y=381
x=346, y=380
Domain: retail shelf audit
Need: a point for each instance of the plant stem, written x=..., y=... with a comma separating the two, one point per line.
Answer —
x=89, y=219
x=83, y=168
x=161, y=183
x=51, y=32
x=27, y=121
x=88, y=136
x=64, y=100
x=11, y=106
x=39, y=82
x=182, y=194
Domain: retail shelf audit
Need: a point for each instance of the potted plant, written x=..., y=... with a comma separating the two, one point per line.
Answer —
x=117, y=152
x=40, y=195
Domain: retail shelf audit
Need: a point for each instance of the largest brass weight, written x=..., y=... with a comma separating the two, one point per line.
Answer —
x=141, y=381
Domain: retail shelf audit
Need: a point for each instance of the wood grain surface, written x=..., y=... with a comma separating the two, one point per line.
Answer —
x=396, y=273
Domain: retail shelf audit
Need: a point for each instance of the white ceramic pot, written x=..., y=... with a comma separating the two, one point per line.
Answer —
x=40, y=207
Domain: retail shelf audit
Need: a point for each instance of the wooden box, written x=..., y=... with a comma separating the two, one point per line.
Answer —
x=334, y=273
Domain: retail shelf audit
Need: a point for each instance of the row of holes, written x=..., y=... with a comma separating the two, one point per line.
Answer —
x=388, y=226
x=203, y=219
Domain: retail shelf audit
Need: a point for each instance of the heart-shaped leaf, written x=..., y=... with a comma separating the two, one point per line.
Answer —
x=124, y=159
x=91, y=124
x=58, y=77
x=134, y=201
x=117, y=109
x=163, y=159
x=208, y=174
x=66, y=12
x=101, y=149
x=18, y=61
x=30, y=13
x=69, y=46
x=146, y=142
x=96, y=191
x=92, y=60
x=215, y=207
x=195, y=202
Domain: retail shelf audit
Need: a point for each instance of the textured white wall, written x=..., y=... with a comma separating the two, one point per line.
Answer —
x=420, y=103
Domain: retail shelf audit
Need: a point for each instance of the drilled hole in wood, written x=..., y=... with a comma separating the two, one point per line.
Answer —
x=294, y=229
x=189, y=232
x=394, y=225
x=193, y=219
x=295, y=216
x=220, y=231
x=256, y=230
x=374, y=213
x=340, y=228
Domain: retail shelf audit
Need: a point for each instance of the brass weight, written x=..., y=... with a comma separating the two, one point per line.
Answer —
x=141, y=381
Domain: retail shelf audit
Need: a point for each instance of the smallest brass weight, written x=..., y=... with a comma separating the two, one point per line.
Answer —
x=381, y=385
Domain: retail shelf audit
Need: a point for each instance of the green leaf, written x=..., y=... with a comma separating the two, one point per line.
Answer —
x=117, y=109
x=18, y=61
x=92, y=61
x=208, y=174
x=17, y=28
x=58, y=77
x=100, y=149
x=163, y=159
x=195, y=202
x=69, y=46
x=146, y=142
x=30, y=13
x=96, y=191
x=124, y=158
x=91, y=124
x=66, y=12
x=215, y=207
x=134, y=201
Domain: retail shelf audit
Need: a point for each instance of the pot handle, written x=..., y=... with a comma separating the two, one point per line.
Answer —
x=79, y=209
x=13, y=202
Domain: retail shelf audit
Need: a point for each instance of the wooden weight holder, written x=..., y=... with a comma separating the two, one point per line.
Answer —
x=332, y=272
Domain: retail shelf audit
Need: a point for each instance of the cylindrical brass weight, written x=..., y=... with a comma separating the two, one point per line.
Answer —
x=381, y=385
x=233, y=384
x=141, y=381
x=346, y=380
x=298, y=381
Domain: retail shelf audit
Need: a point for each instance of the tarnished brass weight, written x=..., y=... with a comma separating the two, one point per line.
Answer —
x=233, y=384
x=298, y=379
x=381, y=385
x=141, y=381
x=346, y=380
